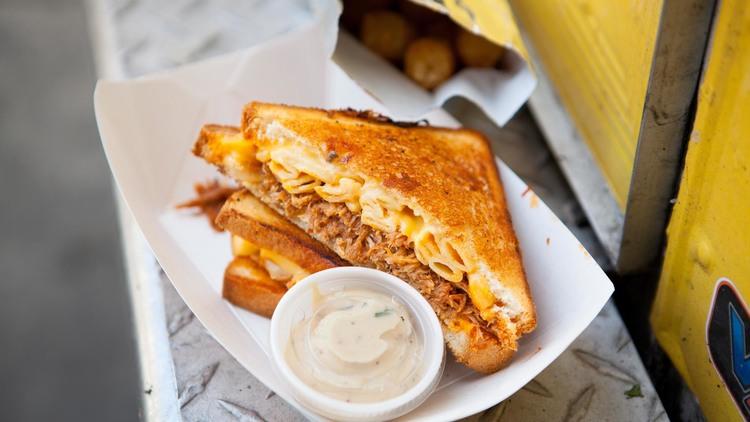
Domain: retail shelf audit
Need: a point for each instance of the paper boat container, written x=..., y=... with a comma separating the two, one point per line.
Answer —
x=148, y=126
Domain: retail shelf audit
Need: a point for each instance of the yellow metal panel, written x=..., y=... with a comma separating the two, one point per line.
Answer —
x=709, y=234
x=491, y=18
x=598, y=55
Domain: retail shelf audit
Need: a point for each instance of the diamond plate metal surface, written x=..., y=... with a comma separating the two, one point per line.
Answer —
x=210, y=381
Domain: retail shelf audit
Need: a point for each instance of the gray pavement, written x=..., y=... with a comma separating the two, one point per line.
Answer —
x=66, y=345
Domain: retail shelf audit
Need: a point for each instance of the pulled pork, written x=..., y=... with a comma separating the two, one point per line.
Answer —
x=336, y=226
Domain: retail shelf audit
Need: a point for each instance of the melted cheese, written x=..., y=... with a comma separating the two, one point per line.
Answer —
x=241, y=247
x=237, y=154
x=461, y=325
x=279, y=267
x=480, y=293
x=232, y=144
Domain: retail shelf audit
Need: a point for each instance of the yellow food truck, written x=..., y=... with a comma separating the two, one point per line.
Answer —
x=655, y=97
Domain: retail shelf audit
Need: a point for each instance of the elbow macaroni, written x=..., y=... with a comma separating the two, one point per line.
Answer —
x=302, y=169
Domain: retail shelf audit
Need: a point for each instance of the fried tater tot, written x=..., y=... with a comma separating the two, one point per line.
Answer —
x=476, y=51
x=386, y=33
x=355, y=10
x=429, y=62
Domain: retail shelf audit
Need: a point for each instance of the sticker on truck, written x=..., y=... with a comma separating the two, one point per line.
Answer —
x=728, y=340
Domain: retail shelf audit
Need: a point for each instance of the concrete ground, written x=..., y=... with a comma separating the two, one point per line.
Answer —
x=66, y=344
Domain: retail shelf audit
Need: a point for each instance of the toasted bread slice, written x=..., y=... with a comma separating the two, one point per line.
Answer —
x=248, y=285
x=247, y=217
x=432, y=197
x=271, y=254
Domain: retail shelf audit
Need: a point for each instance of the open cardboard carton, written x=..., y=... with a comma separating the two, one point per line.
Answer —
x=148, y=127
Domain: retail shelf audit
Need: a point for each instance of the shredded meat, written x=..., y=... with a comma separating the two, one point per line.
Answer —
x=335, y=225
x=210, y=197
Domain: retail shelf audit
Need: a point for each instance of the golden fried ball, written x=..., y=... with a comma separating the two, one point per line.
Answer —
x=429, y=62
x=386, y=33
x=476, y=51
x=355, y=10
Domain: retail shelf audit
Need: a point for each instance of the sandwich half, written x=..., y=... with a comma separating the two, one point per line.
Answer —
x=423, y=203
x=270, y=254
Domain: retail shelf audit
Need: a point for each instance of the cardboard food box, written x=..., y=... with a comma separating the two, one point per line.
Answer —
x=148, y=126
x=499, y=87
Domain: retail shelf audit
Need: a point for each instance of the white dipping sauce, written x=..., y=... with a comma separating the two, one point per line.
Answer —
x=358, y=346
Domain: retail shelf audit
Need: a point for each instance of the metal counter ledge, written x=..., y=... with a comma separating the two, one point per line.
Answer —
x=187, y=375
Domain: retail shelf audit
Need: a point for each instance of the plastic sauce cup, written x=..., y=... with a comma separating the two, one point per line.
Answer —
x=298, y=302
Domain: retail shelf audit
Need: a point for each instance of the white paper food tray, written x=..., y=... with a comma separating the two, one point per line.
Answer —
x=148, y=127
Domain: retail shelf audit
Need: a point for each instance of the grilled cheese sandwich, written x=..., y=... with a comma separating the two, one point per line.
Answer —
x=437, y=189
